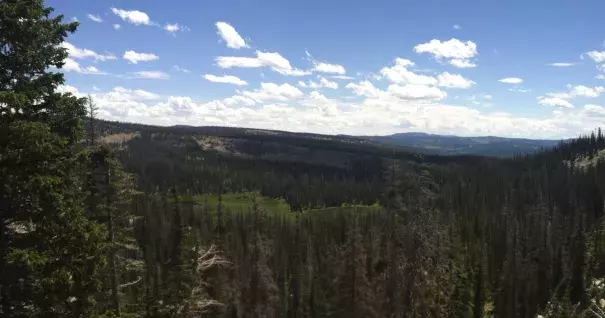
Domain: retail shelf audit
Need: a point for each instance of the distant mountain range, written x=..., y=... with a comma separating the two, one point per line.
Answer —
x=412, y=142
x=454, y=145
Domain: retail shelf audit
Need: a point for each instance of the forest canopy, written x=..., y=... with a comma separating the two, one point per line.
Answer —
x=110, y=219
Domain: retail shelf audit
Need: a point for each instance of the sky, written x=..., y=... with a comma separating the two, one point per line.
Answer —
x=512, y=68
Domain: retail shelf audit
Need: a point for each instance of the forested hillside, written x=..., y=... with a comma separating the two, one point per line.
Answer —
x=106, y=219
x=454, y=145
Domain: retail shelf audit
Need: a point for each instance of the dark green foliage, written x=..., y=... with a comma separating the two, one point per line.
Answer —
x=51, y=254
x=234, y=222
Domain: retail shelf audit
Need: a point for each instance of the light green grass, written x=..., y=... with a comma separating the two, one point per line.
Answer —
x=244, y=202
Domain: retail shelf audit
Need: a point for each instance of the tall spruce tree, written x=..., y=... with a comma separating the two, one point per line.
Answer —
x=50, y=253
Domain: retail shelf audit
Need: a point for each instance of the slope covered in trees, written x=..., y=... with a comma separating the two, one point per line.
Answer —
x=124, y=220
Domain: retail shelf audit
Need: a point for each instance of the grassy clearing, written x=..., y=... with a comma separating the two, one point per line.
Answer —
x=244, y=202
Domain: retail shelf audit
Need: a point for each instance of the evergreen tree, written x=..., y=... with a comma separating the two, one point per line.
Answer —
x=51, y=253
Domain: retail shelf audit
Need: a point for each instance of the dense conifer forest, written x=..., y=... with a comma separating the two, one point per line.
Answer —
x=108, y=219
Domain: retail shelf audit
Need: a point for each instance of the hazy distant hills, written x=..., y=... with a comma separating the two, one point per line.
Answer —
x=410, y=143
x=454, y=145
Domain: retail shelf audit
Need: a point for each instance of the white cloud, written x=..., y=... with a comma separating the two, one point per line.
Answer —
x=596, y=56
x=180, y=69
x=595, y=110
x=230, y=35
x=561, y=64
x=454, y=81
x=134, y=57
x=321, y=104
x=511, y=80
x=416, y=92
x=152, y=75
x=457, y=26
x=78, y=53
x=238, y=100
x=263, y=59
x=457, y=52
x=323, y=67
x=67, y=89
x=116, y=26
x=227, y=79
x=365, y=88
x=95, y=18
x=378, y=112
x=134, y=16
x=323, y=82
x=401, y=75
x=579, y=91
x=173, y=28
x=124, y=94
x=555, y=102
x=462, y=63
x=342, y=77
x=585, y=91
x=73, y=66
x=520, y=90
x=328, y=84
x=272, y=91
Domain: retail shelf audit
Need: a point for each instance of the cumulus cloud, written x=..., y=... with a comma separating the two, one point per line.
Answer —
x=95, y=18
x=585, y=91
x=133, y=16
x=227, y=79
x=67, y=89
x=342, y=77
x=134, y=57
x=230, y=36
x=263, y=59
x=272, y=91
x=597, y=56
x=377, y=112
x=579, y=91
x=454, y=81
x=555, y=102
x=71, y=65
x=511, y=80
x=323, y=82
x=457, y=52
x=457, y=27
x=595, y=110
x=116, y=26
x=416, y=92
x=365, y=88
x=462, y=63
x=323, y=67
x=78, y=53
x=123, y=94
x=152, y=75
x=401, y=75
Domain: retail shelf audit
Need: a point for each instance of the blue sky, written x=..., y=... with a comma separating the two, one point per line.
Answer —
x=354, y=67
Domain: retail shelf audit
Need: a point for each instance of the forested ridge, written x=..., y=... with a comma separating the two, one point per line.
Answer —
x=107, y=219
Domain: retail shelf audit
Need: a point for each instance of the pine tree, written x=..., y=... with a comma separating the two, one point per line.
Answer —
x=51, y=253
